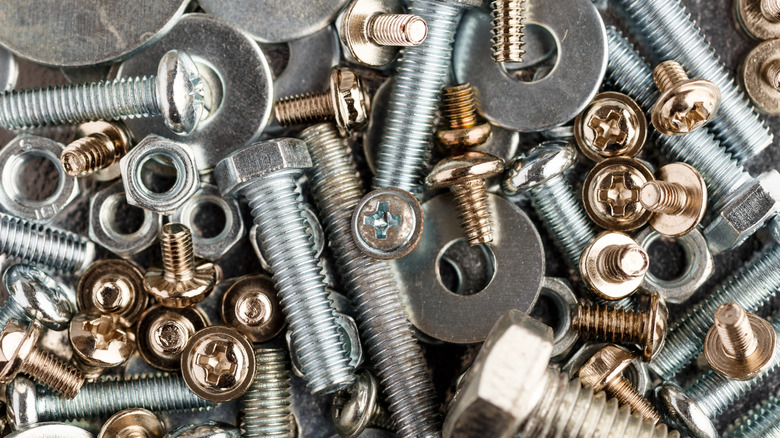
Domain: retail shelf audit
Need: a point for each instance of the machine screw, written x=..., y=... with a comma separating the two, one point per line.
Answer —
x=611, y=125
x=266, y=404
x=387, y=223
x=507, y=30
x=163, y=333
x=677, y=197
x=33, y=295
x=611, y=194
x=685, y=104
x=668, y=30
x=20, y=355
x=346, y=102
x=183, y=280
x=100, y=342
x=112, y=286
x=646, y=328
x=613, y=265
x=101, y=145
x=466, y=176
x=386, y=332
x=250, y=305
x=460, y=110
x=603, y=372
x=760, y=76
x=133, y=423
x=739, y=345
x=357, y=407
x=41, y=245
x=176, y=93
x=759, y=422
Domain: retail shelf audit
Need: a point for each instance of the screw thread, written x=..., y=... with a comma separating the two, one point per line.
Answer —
x=384, y=328
x=663, y=197
x=40, y=245
x=299, y=109
x=770, y=9
x=12, y=310
x=622, y=389
x=668, y=74
x=89, y=154
x=623, y=262
x=460, y=106
x=621, y=326
x=69, y=104
x=760, y=422
x=471, y=200
x=266, y=404
x=772, y=74
x=414, y=99
x=400, y=30
x=178, y=256
x=282, y=231
x=508, y=16
x=101, y=399
x=46, y=369
x=733, y=328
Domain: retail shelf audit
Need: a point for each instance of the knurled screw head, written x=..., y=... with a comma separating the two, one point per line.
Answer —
x=112, y=286
x=101, y=145
x=610, y=194
x=612, y=125
x=387, y=223
x=163, y=333
x=685, y=105
x=100, y=341
x=357, y=407
x=677, y=198
x=459, y=107
x=250, y=305
x=133, y=423
x=613, y=265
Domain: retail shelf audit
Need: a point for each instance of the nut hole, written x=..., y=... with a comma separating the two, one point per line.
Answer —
x=550, y=312
x=464, y=269
x=208, y=219
x=159, y=174
x=125, y=218
x=669, y=259
x=36, y=177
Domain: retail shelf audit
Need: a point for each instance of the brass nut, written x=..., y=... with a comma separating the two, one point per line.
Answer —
x=112, y=286
x=163, y=333
x=760, y=75
x=133, y=423
x=677, y=198
x=613, y=265
x=612, y=125
x=251, y=306
x=611, y=194
x=685, y=105
x=100, y=341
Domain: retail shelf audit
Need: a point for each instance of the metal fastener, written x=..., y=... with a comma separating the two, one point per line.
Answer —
x=133, y=423
x=208, y=429
x=387, y=223
x=112, y=286
x=677, y=197
x=100, y=342
x=759, y=422
x=508, y=16
x=163, y=333
x=613, y=265
x=250, y=305
x=611, y=194
x=459, y=107
x=760, y=19
x=102, y=144
x=266, y=404
x=357, y=407
x=760, y=75
x=611, y=125
x=685, y=105
x=34, y=295
x=739, y=345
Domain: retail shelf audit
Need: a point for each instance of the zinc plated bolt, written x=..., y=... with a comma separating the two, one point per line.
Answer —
x=33, y=295
x=176, y=93
x=507, y=30
x=668, y=30
x=459, y=107
x=101, y=145
x=387, y=334
x=760, y=422
x=266, y=404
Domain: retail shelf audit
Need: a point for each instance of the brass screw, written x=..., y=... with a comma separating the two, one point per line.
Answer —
x=610, y=194
x=678, y=197
x=685, y=104
x=163, y=333
x=772, y=73
x=646, y=328
x=346, y=102
x=603, y=372
x=101, y=145
x=100, y=342
x=739, y=345
x=611, y=125
x=183, y=280
x=770, y=9
x=460, y=112
x=112, y=286
x=133, y=423
x=357, y=407
x=507, y=30
x=20, y=355
x=251, y=306
x=465, y=176
x=613, y=265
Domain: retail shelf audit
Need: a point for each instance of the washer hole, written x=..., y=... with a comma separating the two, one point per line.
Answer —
x=540, y=37
x=208, y=219
x=476, y=266
x=158, y=174
x=37, y=177
x=669, y=258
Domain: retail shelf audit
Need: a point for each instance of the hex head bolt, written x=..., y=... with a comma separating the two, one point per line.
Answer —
x=41, y=245
x=466, y=177
x=357, y=407
x=101, y=145
x=685, y=104
x=20, y=355
x=666, y=28
x=282, y=231
x=460, y=110
x=176, y=93
x=384, y=327
x=678, y=199
x=613, y=266
x=266, y=404
x=346, y=102
x=508, y=16
x=739, y=345
x=33, y=295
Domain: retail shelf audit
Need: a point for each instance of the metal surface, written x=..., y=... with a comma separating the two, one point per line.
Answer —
x=266, y=404
x=683, y=413
x=739, y=345
x=51, y=430
x=560, y=293
x=758, y=25
x=611, y=194
x=636, y=372
x=348, y=330
x=34, y=295
x=357, y=407
x=132, y=422
x=97, y=151
x=314, y=229
x=611, y=125
x=163, y=333
x=112, y=286
x=685, y=104
x=755, y=76
x=208, y=429
x=105, y=219
x=613, y=265
x=9, y=70
x=387, y=223
x=678, y=199
x=251, y=306
x=100, y=342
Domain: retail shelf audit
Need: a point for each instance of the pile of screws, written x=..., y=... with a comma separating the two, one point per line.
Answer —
x=234, y=277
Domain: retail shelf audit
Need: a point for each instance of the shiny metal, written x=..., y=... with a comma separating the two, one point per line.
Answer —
x=357, y=407
x=348, y=330
x=759, y=76
x=637, y=371
x=739, y=345
x=266, y=404
x=9, y=70
x=758, y=18
x=683, y=413
x=51, y=430
x=163, y=333
x=133, y=423
x=231, y=65
x=459, y=110
x=677, y=198
x=611, y=125
x=97, y=151
x=208, y=429
x=104, y=222
x=613, y=265
x=508, y=17
x=112, y=286
x=611, y=194
x=250, y=305
x=314, y=229
x=559, y=292
x=760, y=422
x=387, y=223
x=34, y=295
x=467, y=319
x=685, y=104
x=14, y=159
x=100, y=342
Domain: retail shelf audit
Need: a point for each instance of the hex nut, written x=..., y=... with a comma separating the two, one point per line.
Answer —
x=251, y=306
x=134, y=422
x=560, y=293
x=181, y=159
x=100, y=341
x=163, y=333
x=112, y=286
x=612, y=125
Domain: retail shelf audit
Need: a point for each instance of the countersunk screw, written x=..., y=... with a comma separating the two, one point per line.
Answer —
x=266, y=404
x=685, y=104
x=677, y=197
x=668, y=30
x=357, y=407
x=465, y=175
x=346, y=102
x=613, y=265
x=101, y=145
x=176, y=93
x=460, y=111
x=646, y=328
x=33, y=295
x=603, y=372
x=739, y=345
x=507, y=30
x=20, y=355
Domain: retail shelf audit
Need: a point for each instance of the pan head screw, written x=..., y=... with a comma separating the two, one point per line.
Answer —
x=612, y=125
x=685, y=105
x=387, y=223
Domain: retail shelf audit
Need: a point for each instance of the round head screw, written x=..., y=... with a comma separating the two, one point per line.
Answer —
x=112, y=286
x=357, y=407
x=460, y=111
x=613, y=265
x=34, y=295
x=685, y=105
x=51, y=430
x=250, y=305
x=508, y=16
x=683, y=413
x=465, y=176
x=208, y=429
x=387, y=223
x=179, y=92
x=133, y=423
x=538, y=166
x=678, y=199
x=101, y=145
x=612, y=125
x=760, y=75
x=739, y=345
x=163, y=333
x=100, y=342
x=611, y=194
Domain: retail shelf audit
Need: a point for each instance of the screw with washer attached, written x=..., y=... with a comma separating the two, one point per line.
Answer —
x=357, y=407
x=739, y=345
x=34, y=295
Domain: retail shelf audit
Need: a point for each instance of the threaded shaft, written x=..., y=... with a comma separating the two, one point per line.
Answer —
x=266, y=404
x=667, y=30
x=460, y=106
x=12, y=310
x=89, y=154
x=762, y=421
x=733, y=327
x=564, y=217
x=282, y=231
x=471, y=200
x=101, y=399
x=750, y=287
x=663, y=197
x=41, y=245
x=399, y=30
x=106, y=100
x=46, y=369
x=620, y=326
x=623, y=262
x=508, y=16
x=299, y=109
x=384, y=328
x=772, y=73
x=668, y=74
x=622, y=389
x=770, y=9
x=414, y=99
x=178, y=256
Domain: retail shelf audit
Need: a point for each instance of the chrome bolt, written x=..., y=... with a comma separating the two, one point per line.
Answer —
x=357, y=407
x=266, y=404
x=33, y=295
x=759, y=422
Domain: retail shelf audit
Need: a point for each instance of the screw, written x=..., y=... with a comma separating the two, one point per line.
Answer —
x=465, y=175
x=770, y=9
x=101, y=145
x=668, y=30
x=183, y=281
x=685, y=105
x=100, y=342
x=251, y=306
x=41, y=245
x=20, y=355
x=346, y=102
x=176, y=93
x=759, y=422
x=386, y=332
x=112, y=286
x=611, y=125
x=613, y=265
x=387, y=223
x=603, y=372
x=460, y=111
x=645, y=328
x=678, y=197
x=611, y=193
x=163, y=333
x=507, y=30
x=33, y=295
x=760, y=76
x=133, y=423
x=739, y=345
x=266, y=404
x=357, y=407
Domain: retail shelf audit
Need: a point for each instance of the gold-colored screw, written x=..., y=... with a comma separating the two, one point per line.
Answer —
x=613, y=265
x=685, y=104
x=507, y=30
x=770, y=9
x=465, y=176
x=460, y=112
x=646, y=328
x=772, y=73
x=678, y=197
x=101, y=145
x=739, y=345
x=603, y=372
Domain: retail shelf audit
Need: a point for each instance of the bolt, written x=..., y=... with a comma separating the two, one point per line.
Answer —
x=611, y=125
x=20, y=355
x=250, y=305
x=101, y=145
x=685, y=105
x=163, y=333
x=33, y=295
x=266, y=404
x=385, y=330
x=133, y=423
x=770, y=9
x=112, y=286
x=759, y=422
x=541, y=172
x=357, y=407
x=176, y=93
x=603, y=372
x=41, y=245
x=183, y=281
x=611, y=194
x=100, y=342
x=613, y=265
x=460, y=111
x=346, y=102
x=739, y=345
x=507, y=30
x=678, y=197
x=282, y=232
x=668, y=31
x=387, y=223
x=645, y=328
x=465, y=175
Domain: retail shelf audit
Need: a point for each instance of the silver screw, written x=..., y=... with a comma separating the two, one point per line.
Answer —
x=369, y=282
x=175, y=93
x=666, y=28
x=266, y=404
x=44, y=246
x=759, y=422
x=33, y=295
x=357, y=407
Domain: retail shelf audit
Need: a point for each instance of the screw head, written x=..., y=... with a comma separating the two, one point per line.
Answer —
x=611, y=194
x=683, y=413
x=538, y=165
x=457, y=169
x=133, y=423
x=251, y=306
x=181, y=293
x=741, y=368
x=753, y=74
x=612, y=125
x=350, y=98
x=42, y=298
x=16, y=343
x=163, y=333
x=387, y=223
x=686, y=107
x=352, y=407
x=604, y=366
x=696, y=191
x=179, y=92
x=599, y=280
x=112, y=286
x=101, y=340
